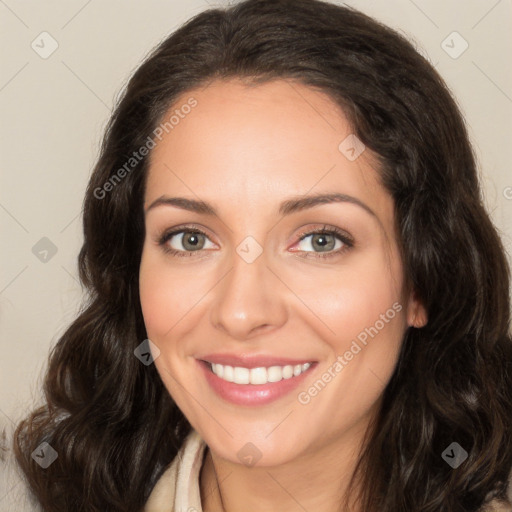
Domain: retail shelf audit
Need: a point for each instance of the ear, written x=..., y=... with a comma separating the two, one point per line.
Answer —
x=416, y=312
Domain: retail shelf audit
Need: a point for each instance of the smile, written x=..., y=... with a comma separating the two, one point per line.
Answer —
x=262, y=375
x=253, y=386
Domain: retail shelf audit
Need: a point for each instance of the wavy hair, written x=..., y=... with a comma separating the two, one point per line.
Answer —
x=109, y=417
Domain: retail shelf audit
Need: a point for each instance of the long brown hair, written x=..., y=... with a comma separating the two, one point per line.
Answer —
x=109, y=417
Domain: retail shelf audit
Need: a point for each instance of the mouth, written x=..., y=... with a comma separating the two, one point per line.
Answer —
x=257, y=376
x=254, y=386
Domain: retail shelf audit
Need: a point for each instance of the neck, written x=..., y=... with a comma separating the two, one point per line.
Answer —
x=316, y=480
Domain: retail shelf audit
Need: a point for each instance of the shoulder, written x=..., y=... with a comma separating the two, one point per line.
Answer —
x=162, y=496
x=179, y=483
x=497, y=506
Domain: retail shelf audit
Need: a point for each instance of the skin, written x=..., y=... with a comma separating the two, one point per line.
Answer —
x=244, y=150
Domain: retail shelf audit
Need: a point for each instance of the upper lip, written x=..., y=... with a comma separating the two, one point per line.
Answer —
x=252, y=360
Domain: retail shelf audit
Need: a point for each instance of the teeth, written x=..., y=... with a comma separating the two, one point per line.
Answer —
x=287, y=372
x=240, y=375
x=228, y=374
x=258, y=375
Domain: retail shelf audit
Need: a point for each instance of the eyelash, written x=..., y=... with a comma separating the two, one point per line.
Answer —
x=342, y=236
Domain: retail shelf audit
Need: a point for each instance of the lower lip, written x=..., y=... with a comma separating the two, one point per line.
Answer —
x=252, y=394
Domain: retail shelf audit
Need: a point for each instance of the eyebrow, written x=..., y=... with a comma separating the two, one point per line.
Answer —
x=292, y=205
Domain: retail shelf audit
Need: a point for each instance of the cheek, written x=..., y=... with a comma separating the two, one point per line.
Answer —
x=362, y=307
x=167, y=293
x=354, y=309
x=157, y=296
x=363, y=292
x=366, y=324
x=150, y=291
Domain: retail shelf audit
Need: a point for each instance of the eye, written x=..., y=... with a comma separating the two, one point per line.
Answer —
x=330, y=241
x=183, y=242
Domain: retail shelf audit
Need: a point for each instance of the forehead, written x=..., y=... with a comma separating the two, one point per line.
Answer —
x=253, y=145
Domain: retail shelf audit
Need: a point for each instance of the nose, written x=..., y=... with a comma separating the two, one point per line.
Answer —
x=249, y=300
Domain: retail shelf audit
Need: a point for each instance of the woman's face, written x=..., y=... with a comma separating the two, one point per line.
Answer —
x=249, y=292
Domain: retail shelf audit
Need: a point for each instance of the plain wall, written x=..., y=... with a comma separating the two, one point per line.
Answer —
x=54, y=109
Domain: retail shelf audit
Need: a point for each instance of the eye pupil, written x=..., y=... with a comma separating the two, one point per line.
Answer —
x=322, y=242
x=192, y=240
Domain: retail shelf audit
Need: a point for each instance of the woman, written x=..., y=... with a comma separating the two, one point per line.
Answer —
x=297, y=299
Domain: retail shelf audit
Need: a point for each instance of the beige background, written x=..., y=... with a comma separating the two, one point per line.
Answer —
x=53, y=112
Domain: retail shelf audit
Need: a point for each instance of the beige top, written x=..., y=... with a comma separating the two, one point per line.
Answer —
x=177, y=490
